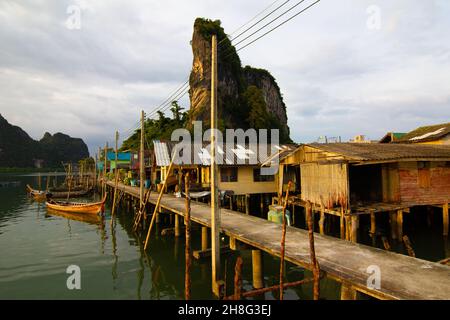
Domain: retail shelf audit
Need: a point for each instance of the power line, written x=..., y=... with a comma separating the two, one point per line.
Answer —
x=257, y=22
x=256, y=16
x=270, y=22
x=276, y=27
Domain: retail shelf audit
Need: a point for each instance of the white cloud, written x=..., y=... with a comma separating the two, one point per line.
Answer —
x=337, y=76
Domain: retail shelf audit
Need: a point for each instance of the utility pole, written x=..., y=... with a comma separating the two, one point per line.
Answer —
x=141, y=162
x=97, y=174
x=215, y=210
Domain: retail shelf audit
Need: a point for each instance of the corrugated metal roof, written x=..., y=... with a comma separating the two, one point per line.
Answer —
x=235, y=154
x=384, y=151
x=161, y=153
x=426, y=133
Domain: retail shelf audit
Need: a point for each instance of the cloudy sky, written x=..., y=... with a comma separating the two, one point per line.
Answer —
x=345, y=67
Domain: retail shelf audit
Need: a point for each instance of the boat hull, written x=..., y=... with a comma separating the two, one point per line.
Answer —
x=77, y=207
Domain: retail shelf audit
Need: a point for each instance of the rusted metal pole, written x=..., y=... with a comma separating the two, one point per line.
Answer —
x=312, y=251
x=187, y=222
x=238, y=279
x=283, y=242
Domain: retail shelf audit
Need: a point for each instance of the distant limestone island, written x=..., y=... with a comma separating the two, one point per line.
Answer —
x=19, y=150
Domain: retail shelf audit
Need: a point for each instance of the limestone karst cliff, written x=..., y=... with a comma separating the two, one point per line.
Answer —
x=247, y=97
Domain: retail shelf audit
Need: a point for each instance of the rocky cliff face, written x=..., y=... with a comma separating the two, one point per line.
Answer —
x=18, y=149
x=236, y=106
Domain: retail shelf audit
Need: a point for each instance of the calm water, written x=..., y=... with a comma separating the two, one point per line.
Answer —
x=36, y=247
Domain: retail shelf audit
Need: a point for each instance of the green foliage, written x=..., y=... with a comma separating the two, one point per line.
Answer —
x=258, y=117
x=158, y=129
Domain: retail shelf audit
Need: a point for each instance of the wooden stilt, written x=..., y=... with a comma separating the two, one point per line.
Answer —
x=393, y=222
x=354, y=228
x=400, y=224
x=257, y=269
x=238, y=279
x=373, y=224
x=342, y=224
x=322, y=221
x=347, y=292
x=233, y=245
x=204, y=238
x=445, y=219
x=177, y=225
x=247, y=203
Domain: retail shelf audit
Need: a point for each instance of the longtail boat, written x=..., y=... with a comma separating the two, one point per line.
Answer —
x=36, y=194
x=42, y=195
x=77, y=207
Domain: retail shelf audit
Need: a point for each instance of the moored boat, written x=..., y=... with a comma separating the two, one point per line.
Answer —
x=36, y=194
x=77, y=207
x=42, y=195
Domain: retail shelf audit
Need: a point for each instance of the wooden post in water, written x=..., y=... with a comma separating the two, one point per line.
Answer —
x=187, y=222
x=215, y=210
x=141, y=162
x=283, y=242
x=116, y=176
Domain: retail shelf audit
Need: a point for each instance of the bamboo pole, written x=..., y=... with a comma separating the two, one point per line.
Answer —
x=158, y=202
x=116, y=175
x=283, y=242
x=314, y=263
x=187, y=222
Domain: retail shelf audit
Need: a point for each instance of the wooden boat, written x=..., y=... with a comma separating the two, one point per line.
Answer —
x=36, y=194
x=72, y=194
x=42, y=195
x=77, y=207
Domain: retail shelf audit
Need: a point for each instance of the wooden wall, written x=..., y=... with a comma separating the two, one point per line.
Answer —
x=246, y=185
x=426, y=185
x=325, y=184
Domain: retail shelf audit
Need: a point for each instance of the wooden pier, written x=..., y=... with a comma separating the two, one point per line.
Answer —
x=402, y=277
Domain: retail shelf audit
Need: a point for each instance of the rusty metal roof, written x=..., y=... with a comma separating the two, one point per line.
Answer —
x=385, y=151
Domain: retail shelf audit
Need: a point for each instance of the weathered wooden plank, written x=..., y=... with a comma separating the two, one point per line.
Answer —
x=402, y=277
